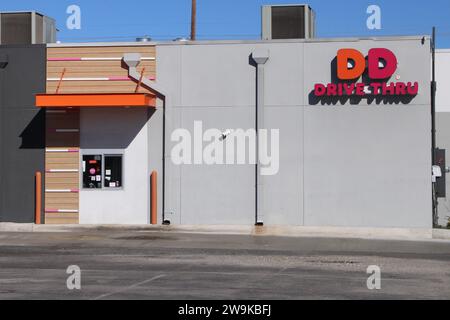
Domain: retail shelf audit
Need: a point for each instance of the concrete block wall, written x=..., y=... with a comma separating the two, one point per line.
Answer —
x=22, y=130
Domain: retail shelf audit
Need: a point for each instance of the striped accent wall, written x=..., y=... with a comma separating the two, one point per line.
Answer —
x=80, y=70
x=62, y=163
x=96, y=69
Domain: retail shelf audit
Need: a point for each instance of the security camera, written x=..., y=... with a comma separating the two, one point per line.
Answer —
x=3, y=61
x=225, y=134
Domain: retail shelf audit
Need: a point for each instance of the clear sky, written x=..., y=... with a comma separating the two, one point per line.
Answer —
x=113, y=20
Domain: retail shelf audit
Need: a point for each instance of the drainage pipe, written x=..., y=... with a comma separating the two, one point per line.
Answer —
x=260, y=57
x=132, y=60
x=154, y=198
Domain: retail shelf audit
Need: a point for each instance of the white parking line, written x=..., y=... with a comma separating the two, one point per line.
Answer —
x=129, y=287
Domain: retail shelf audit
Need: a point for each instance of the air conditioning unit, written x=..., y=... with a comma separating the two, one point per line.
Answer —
x=288, y=22
x=29, y=27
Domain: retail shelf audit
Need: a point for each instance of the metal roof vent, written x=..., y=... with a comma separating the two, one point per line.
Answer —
x=288, y=22
x=181, y=39
x=26, y=27
x=144, y=39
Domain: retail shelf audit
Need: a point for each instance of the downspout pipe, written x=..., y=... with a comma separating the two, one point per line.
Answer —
x=433, y=121
x=433, y=95
x=132, y=60
x=260, y=57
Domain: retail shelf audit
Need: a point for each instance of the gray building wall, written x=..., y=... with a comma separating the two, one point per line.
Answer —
x=341, y=164
x=443, y=123
x=136, y=133
x=22, y=130
x=369, y=165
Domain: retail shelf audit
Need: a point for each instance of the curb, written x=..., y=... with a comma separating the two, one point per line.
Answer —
x=275, y=231
x=441, y=234
x=16, y=227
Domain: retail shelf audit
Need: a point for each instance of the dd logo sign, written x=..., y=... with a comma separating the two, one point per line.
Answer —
x=351, y=64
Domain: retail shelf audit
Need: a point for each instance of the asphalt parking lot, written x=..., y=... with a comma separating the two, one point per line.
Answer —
x=168, y=265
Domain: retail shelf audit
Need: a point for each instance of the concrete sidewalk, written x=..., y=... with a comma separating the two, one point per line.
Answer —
x=280, y=231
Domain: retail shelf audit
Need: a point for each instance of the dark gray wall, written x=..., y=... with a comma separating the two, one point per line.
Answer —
x=22, y=130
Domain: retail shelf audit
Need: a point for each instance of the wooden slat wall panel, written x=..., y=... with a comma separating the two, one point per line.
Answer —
x=62, y=181
x=94, y=72
x=61, y=175
x=60, y=156
x=62, y=161
x=61, y=141
x=65, y=205
x=62, y=215
x=60, y=219
x=51, y=161
x=96, y=87
x=96, y=69
x=62, y=121
x=63, y=196
x=66, y=139
x=63, y=185
x=50, y=149
x=53, y=203
x=100, y=50
x=68, y=120
x=88, y=69
x=60, y=166
x=62, y=201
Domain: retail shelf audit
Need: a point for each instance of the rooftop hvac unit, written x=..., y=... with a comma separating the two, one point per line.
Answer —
x=28, y=27
x=288, y=22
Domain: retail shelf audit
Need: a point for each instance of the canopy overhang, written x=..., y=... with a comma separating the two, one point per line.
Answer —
x=77, y=100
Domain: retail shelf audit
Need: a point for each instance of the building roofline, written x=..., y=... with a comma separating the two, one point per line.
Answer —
x=287, y=5
x=219, y=42
x=25, y=11
x=28, y=11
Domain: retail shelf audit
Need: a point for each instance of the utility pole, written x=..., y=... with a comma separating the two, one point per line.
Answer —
x=193, y=20
x=433, y=121
x=433, y=93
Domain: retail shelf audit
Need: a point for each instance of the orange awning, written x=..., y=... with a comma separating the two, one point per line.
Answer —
x=95, y=100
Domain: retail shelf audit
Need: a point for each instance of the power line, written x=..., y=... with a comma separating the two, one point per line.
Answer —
x=166, y=36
